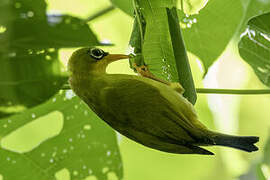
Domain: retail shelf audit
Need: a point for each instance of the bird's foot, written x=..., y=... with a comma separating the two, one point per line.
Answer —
x=144, y=71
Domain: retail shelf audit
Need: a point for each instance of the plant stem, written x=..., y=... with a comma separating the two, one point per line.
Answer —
x=138, y=20
x=216, y=91
x=100, y=13
x=233, y=91
x=182, y=6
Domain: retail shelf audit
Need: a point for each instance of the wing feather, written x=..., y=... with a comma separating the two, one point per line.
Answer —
x=133, y=103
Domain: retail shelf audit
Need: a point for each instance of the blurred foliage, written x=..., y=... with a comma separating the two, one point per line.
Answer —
x=30, y=69
x=31, y=73
x=63, y=139
x=208, y=33
x=254, y=46
x=80, y=147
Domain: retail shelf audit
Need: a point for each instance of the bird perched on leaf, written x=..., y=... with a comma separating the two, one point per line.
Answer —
x=143, y=108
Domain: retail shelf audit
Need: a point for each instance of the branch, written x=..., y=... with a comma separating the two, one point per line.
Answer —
x=100, y=13
x=233, y=91
x=137, y=16
x=216, y=91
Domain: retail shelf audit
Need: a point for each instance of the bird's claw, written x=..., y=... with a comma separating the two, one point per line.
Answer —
x=143, y=71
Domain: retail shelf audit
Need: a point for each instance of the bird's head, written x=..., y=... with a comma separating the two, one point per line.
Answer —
x=91, y=60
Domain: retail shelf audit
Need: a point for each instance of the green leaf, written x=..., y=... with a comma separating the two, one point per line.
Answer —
x=181, y=59
x=30, y=68
x=163, y=47
x=29, y=77
x=85, y=146
x=253, y=8
x=208, y=33
x=124, y=5
x=254, y=46
x=192, y=6
x=28, y=26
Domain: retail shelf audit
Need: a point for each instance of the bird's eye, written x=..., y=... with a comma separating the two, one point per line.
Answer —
x=97, y=53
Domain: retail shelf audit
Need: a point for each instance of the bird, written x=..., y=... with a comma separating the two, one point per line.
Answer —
x=144, y=109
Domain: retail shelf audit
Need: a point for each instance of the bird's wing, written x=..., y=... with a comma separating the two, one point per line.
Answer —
x=131, y=103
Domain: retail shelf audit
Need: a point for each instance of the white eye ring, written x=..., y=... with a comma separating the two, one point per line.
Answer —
x=97, y=53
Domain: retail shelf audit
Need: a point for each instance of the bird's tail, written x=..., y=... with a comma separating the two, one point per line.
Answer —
x=245, y=143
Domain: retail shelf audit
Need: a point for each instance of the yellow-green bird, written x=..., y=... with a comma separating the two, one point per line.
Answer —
x=145, y=110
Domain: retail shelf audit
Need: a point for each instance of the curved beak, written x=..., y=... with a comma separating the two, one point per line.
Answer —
x=115, y=57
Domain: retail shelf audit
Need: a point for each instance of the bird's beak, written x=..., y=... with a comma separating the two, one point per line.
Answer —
x=115, y=57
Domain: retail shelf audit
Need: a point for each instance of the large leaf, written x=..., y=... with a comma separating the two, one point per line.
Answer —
x=28, y=26
x=29, y=77
x=30, y=68
x=253, y=8
x=124, y=5
x=86, y=146
x=163, y=47
x=207, y=34
x=254, y=46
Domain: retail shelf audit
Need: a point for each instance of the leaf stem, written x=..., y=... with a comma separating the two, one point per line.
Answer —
x=233, y=91
x=138, y=20
x=182, y=6
x=216, y=91
x=100, y=13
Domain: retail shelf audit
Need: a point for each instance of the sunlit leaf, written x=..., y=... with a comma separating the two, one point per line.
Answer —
x=163, y=47
x=28, y=26
x=29, y=77
x=30, y=68
x=192, y=6
x=124, y=5
x=254, y=46
x=85, y=146
x=208, y=33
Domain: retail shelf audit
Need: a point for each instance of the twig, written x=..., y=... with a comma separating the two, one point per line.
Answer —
x=100, y=13
x=233, y=91
x=217, y=91
x=138, y=20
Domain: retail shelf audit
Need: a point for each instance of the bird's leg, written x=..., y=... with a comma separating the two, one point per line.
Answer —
x=143, y=71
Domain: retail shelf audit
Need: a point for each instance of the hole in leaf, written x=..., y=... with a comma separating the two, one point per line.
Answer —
x=105, y=170
x=63, y=174
x=75, y=173
x=2, y=29
x=91, y=178
x=111, y=176
x=34, y=133
x=30, y=13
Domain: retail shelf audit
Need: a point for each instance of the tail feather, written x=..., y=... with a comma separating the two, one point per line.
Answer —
x=245, y=143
